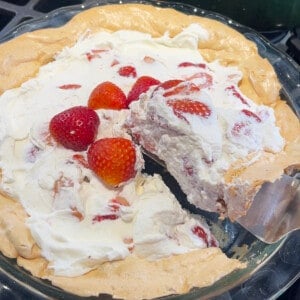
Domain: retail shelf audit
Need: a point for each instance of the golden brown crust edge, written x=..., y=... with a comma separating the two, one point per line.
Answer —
x=22, y=56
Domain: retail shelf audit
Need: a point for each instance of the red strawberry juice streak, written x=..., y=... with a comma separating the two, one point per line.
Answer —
x=235, y=93
x=127, y=71
x=251, y=115
x=185, y=89
x=70, y=86
x=190, y=64
x=189, y=106
x=100, y=218
x=198, y=231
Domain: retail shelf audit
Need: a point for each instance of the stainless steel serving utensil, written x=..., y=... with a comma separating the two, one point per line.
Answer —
x=275, y=210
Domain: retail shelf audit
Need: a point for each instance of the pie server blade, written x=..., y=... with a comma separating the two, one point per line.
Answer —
x=275, y=210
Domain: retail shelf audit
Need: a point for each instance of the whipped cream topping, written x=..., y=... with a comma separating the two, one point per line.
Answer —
x=200, y=147
x=77, y=221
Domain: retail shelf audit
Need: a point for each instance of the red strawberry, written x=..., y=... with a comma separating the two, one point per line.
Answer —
x=251, y=114
x=127, y=71
x=169, y=84
x=112, y=159
x=141, y=85
x=190, y=64
x=185, y=89
x=232, y=90
x=189, y=106
x=206, y=79
x=107, y=95
x=70, y=86
x=100, y=218
x=75, y=128
x=200, y=232
x=240, y=128
x=243, y=128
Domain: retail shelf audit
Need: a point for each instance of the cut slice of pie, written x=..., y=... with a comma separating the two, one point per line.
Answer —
x=218, y=144
x=61, y=221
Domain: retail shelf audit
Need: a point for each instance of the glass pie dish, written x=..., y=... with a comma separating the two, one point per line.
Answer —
x=271, y=268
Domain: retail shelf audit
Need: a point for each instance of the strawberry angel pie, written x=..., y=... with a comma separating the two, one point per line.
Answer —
x=77, y=104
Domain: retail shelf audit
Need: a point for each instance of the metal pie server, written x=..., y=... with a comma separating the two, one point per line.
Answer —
x=275, y=210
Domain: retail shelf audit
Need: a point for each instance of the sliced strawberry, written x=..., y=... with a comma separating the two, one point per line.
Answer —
x=117, y=202
x=94, y=53
x=81, y=160
x=183, y=89
x=251, y=115
x=90, y=56
x=190, y=64
x=129, y=241
x=75, y=128
x=148, y=59
x=168, y=84
x=77, y=214
x=199, y=231
x=70, y=86
x=98, y=51
x=189, y=106
x=62, y=182
x=107, y=95
x=127, y=71
x=241, y=128
x=232, y=90
x=206, y=79
x=141, y=85
x=121, y=201
x=100, y=218
x=113, y=160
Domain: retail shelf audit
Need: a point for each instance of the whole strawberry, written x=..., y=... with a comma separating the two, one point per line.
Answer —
x=113, y=160
x=75, y=128
x=107, y=95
